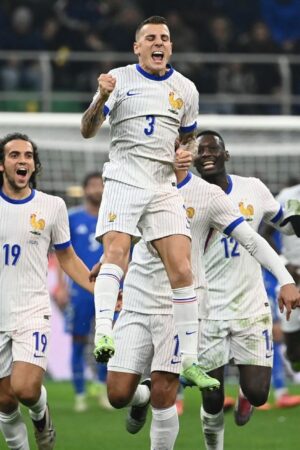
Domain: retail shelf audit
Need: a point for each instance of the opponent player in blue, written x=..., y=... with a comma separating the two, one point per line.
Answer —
x=80, y=311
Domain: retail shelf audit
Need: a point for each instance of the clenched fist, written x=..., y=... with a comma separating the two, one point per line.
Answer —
x=106, y=84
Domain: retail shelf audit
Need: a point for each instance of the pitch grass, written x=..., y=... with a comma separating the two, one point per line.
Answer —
x=96, y=429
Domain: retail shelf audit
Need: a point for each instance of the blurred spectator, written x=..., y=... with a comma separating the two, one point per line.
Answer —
x=220, y=37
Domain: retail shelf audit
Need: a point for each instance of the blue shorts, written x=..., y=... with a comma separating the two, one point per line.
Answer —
x=79, y=315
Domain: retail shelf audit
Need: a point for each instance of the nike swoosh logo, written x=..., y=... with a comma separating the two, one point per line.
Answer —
x=39, y=356
x=130, y=93
x=102, y=310
x=269, y=356
x=175, y=362
x=190, y=332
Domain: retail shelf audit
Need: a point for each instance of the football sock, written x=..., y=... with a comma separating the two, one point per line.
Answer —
x=164, y=428
x=102, y=372
x=77, y=365
x=14, y=430
x=141, y=396
x=37, y=411
x=278, y=378
x=213, y=429
x=185, y=312
x=106, y=293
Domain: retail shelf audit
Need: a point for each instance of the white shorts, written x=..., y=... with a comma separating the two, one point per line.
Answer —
x=26, y=344
x=145, y=343
x=245, y=341
x=131, y=210
x=292, y=325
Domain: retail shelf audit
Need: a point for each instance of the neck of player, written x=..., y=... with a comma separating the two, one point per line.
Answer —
x=14, y=192
x=220, y=179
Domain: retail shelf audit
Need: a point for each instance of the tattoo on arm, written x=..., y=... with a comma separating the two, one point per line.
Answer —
x=93, y=118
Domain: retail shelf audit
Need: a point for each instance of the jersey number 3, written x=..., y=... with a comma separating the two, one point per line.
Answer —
x=151, y=122
x=11, y=254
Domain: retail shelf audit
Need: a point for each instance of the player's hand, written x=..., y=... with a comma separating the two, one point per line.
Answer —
x=94, y=272
x=289, y=298
x=183, y=159
x=106, y=84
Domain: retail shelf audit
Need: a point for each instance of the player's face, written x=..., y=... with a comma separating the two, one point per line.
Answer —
x=153, y=48
x=18, y=165
x=211, y=155
x=94, y=190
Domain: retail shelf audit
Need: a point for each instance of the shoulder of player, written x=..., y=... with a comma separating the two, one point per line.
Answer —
x=54, y=199
x=123, y=71
x=184, y=80
x=246, y=180
x=204, y=188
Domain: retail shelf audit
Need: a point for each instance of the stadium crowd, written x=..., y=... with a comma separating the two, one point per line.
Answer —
x=216, y=26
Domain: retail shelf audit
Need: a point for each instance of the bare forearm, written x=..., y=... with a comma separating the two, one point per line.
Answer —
x=93, y=117
x=188, y=141
x=72, y=265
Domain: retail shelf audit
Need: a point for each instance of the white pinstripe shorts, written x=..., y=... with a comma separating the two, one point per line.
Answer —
x=133, y=210
x=145, y=343
x=29, y=344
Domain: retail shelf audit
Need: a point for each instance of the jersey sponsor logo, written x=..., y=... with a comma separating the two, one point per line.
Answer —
x=176, y=103
x=37, y=224
x=246, y=211
x=130, y=93
x=112, y=217
x=190, y=212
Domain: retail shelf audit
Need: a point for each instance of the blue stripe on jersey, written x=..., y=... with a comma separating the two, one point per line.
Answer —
x=17, y=202
x=62, y=246
x=233, y=225
x=278, y=216
x=185, y=180
x=150, y=76
x=229, y=187
x=105, y=110
x=189, y=128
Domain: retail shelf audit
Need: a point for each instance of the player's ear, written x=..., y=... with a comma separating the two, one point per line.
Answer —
x=227, y=155
x=136, y=48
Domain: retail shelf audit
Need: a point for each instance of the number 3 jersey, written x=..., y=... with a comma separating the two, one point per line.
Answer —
x=236, y=288
x=146, y=112
x=28, y=228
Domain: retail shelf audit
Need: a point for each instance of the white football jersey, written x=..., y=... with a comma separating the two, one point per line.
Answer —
x=236, y=288
x=290, y=244
x=145, y=113
x=28, y=228
x=146, y=287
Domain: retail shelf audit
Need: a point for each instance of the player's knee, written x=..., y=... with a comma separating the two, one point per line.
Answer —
x=181, y=275
x=257, y=395
x=163, y=392
x=8, y=402
x=26, y=394
x=213, y=401
x=118, y=398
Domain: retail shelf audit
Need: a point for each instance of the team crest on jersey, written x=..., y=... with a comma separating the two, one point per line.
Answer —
x=37, y=224
x=112, y=217
x=190, y=212
x=176, y=103
x=247, y=211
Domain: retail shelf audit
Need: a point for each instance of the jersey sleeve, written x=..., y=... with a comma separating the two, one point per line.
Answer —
x=189, y=119
x=273, y=212
x=60, y=235
x=224, y=216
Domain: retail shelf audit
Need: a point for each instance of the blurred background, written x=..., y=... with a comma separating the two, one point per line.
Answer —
x=243, y=57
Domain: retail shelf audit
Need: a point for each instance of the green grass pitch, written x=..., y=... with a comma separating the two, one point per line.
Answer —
x=96, y=429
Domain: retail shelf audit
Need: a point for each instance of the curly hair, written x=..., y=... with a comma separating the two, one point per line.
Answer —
x=22, y=137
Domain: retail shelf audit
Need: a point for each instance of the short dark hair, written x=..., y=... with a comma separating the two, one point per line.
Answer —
x=21, y=137
x=157, y=20
x=89, y=176
x=214, y=133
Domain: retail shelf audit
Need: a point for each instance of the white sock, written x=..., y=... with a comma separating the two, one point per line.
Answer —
x=213, y=429
x=106, y=294
x=185, y=312
x=37, y=411
x=14, y=430
x=141, y=396
x=164, y=428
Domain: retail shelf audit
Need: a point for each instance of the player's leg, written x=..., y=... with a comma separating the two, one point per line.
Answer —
x=12, y=425
x=77, y=366
x=26, y=383
x=120, y=211
x=133, y=353
x=164, y=424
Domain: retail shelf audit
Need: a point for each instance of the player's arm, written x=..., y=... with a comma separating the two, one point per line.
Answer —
x=258, y=247
x=95, y=115
x=72, y=265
